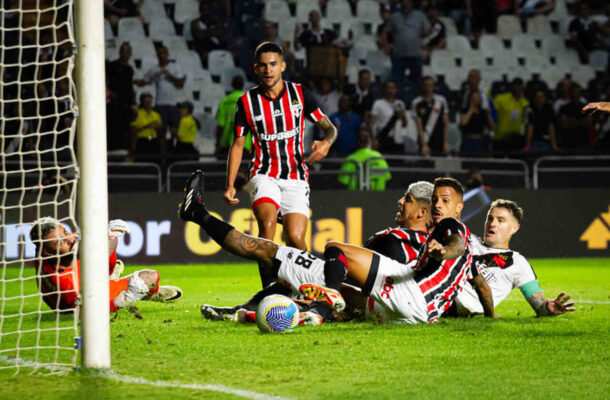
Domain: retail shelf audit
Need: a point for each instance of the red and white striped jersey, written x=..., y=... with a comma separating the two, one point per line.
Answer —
x=277, y=129
x=441, y=281
x=400, y=244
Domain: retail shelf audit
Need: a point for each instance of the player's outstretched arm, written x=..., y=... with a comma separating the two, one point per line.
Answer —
x=456, y=246
x=233, y=162
x=320, y=148
x=485, y=297
x=600, y=106
x=547, y=307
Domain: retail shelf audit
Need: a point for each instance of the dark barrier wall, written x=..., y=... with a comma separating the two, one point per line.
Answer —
x=557, y=223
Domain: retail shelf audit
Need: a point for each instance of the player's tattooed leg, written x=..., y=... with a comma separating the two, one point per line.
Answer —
x=250, y=247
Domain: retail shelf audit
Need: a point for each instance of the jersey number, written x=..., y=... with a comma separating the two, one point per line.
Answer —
x=305, y=262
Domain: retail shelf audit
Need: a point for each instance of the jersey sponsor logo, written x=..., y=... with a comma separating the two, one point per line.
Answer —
x=387, y=287
x=597, y=233
x=258, y=117
x=269, y=137
x=277, y=112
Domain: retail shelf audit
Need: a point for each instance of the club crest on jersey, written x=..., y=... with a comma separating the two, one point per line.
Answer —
x=498, y=260
x=296, y=109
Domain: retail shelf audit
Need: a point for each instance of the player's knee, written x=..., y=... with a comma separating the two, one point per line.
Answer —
x=267, y=228
x=296, y=239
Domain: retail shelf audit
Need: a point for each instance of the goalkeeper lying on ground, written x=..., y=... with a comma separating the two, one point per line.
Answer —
x=59, y=270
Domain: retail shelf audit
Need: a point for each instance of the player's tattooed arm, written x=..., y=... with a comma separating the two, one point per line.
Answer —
x=320, y=148
x=455, y=247
x=250, y=247
x=547, y=307
x=485, y=297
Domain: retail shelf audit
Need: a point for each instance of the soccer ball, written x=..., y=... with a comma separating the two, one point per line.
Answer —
x=277, y=313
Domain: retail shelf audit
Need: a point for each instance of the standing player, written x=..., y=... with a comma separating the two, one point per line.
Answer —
x=505, y=269
x=274, y=112
x=59, y=270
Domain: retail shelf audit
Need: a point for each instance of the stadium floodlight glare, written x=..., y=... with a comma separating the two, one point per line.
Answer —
x=39, y=175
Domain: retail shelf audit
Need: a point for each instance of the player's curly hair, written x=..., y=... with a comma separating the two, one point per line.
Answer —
x=510, y=206
x=449, y=182
x=41, y=229
x=421, y=191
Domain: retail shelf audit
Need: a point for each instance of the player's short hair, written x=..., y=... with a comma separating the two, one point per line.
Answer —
x=510, y=206
x=449, y=182
x=41, y=228
x=421, y=191
x=268, y=47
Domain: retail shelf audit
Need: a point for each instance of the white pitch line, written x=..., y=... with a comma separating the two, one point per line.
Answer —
x=194, y=386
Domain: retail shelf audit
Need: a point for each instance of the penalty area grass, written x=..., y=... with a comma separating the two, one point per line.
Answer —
x=514, y=357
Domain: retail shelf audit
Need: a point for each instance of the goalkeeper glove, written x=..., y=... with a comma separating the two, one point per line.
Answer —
x=117, y=227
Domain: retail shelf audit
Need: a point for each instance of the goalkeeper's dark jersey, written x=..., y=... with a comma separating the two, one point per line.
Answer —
x=400, y=244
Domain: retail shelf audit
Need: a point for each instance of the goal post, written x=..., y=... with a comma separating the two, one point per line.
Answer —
x=93, y=187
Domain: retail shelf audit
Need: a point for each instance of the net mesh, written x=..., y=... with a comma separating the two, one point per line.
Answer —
x=38, y=177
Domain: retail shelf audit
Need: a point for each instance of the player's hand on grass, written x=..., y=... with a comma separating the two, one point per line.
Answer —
x=117, y=227
x=560, y=305
x=229, y=196
x=319, y=150
x=600, y=106
x=436, y=250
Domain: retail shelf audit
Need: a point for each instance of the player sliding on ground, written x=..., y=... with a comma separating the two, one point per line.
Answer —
x=59, y=270
x=505, y=269
x=417, y=294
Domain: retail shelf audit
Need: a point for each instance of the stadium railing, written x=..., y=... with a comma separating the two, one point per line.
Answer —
x=215, y=174
x=134, y=177
x=498, y=172
x=568, y=171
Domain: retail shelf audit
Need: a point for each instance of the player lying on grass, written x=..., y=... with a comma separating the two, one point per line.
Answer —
x=505, y=269
x=59, y=270
x=421, y=293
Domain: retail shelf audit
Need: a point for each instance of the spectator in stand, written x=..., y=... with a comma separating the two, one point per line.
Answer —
x=510, y=107
x=147, y=138
x=432, y=119
x=169, y=81
x=540, y=135
x=122, y=99
x=407, y=28
x=380, y=171
x=362, y=94
x=473, y=82
x=436, y=39
x=475, y=123
x=573, y=124
x=187, y=132
x=328, y=97
x=210, y=32
x=117, y=9
x=562, y=94
x=270, y=35
x=225, y=118
x=312, y=34
x=348, y=124
x=482, y=14
x=531, y=8
x=385, y=13
x=460, y=12
x=388, y=122
x=585, y=33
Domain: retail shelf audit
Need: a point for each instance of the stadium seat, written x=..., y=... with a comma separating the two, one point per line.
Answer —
x=553, y=44
x=152, y=9
x=552, y=75
x=277, y=11
x=227, y=77
x=190, y=63
x=108, y=34
x=490, y=45
x=454, y=77
x=286, y=29
x=523, y=44
x=508, y=26
x=367, y=11
x=338, y=11
x=536, y=62
x=141, y=48
x=148, y=61
x=186, y=10
x=380, y=64
x=111, y=50
x=362, y=47
x=505, y=59
x=211, y=95
x=567, y=59
x=175, y=44
x=491, y=74
x=304, y=8
x=560, y=16
x=450, y=28
x=219, y=60
x=539, y=26
x=160, y=27
x=359, y=29
x=458, y=44
x=442, y=62
x=132, y=28
x=583, y=74
x=472, y=59
x=598, y=60
x=519, y=72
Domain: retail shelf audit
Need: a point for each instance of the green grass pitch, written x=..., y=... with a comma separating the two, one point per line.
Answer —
x=515, y=357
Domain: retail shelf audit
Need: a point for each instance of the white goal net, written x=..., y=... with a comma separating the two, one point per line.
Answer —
x=38, y=176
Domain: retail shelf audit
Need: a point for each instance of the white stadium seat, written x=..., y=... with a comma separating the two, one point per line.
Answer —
x=523, y=44
x=219, y=60
x=490, y=45
x=141, y=47
x=505, y=59
x=458, y=44
x=338, y=11
x=304, y=8
x=152, y=9
x=362, y=47
x=160, y=27
x=552, y=75
x=131, y=27
x=442, y=61
x=598, y=60
x=553, y=44
x=567, y=59
x=227, y=76
x=472, y=59
x=582, y=75
x=277, y=11
x=210, y=97
x=367, y=11
x=175, y=44
x=381, y=65
x=539, y=26
x=286, y=28
x=536, y=62
x=450, y=28
x=186, y=10
x=519, y=72
x=508, y=26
